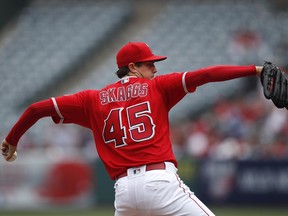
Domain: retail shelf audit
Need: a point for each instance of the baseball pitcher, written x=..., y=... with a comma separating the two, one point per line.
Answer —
x=129, y=121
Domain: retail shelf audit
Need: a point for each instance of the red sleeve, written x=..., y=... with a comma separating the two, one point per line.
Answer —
x=63, y=109
x=176, y=85
x=29, y=117
x=71, y=108
x=216, y=74
x=172, y=88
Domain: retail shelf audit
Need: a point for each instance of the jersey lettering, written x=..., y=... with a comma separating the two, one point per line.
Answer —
x=123, y=94
x=111, y=94
x=141, y=125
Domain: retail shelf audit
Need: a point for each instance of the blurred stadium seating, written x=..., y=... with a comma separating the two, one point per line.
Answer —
x=50, y=38
x=47, y=40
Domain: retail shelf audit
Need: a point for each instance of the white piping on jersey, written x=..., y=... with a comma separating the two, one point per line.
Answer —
x=57, y=110
x=184, y=83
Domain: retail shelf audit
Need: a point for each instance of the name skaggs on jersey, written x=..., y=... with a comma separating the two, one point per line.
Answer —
x=123, y=93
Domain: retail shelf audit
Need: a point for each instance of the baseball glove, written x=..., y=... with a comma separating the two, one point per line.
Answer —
x=275, y=85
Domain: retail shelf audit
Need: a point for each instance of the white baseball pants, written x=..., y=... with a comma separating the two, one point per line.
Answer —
x=156, y=193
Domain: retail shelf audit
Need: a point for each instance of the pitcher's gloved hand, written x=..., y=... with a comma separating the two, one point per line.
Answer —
x=275, y=85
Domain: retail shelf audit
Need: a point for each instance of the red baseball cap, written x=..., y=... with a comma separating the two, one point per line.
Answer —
x=136, y=52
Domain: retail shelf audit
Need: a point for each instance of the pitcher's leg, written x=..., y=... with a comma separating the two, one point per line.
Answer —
x=167, y=195
x=124, y=203
x=187, y=203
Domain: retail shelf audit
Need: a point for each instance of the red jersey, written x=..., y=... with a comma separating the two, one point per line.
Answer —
x=129, y=119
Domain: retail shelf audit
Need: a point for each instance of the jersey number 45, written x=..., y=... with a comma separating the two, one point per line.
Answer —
x=139, y=124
